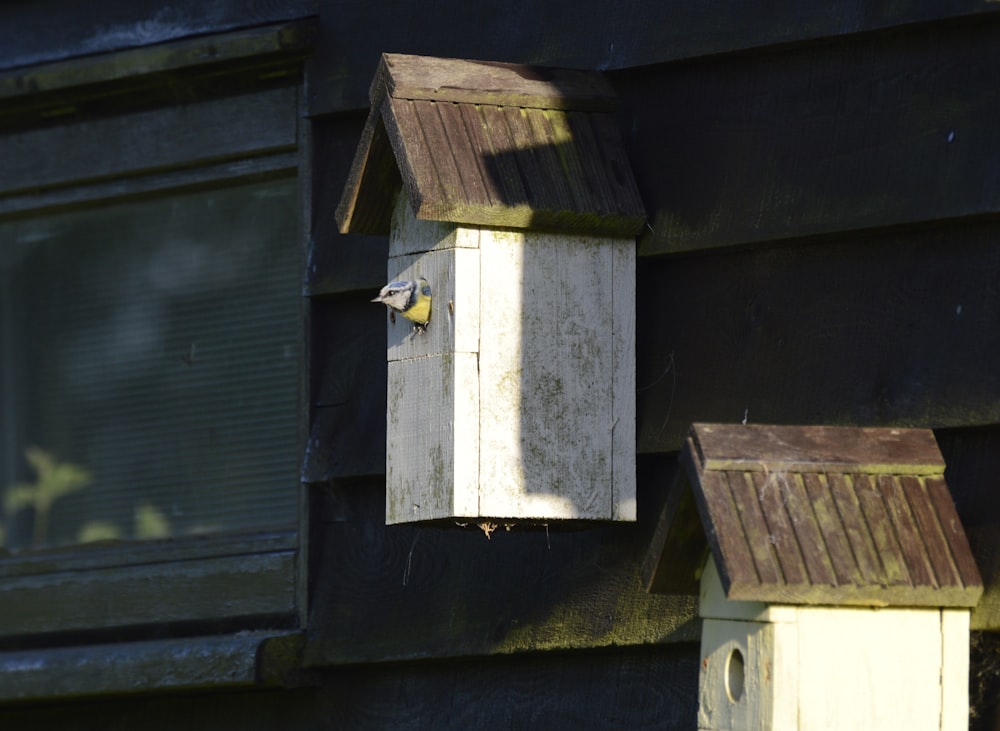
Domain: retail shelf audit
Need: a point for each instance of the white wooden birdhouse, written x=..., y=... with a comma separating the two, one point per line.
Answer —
x=834, y=576
x=506, y=188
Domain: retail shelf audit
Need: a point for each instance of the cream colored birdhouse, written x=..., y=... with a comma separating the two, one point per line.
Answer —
x=837, y=589
x=507, y=189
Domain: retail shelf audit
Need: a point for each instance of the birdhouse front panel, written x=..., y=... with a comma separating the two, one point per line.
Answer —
x=517, y=401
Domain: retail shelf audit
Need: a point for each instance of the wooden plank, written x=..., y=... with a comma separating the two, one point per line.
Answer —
x=912, y=544
x=252, y=170
x=384, y=593
x=545, y=144
x=118, y=554
x=622, y=427
x=864, y=669
x=754, y=527
x=832, y=530
x=780, y=532
x=236, y=589
x=415, y=163
x=464, y=146
x=433, y=440
x=348, y=398
x=887, y=548
x=542, y=196
x=648, y=688
x=940, y=498
x=502, y=169
x=856, y=529
x=256, y=46
x=719, y=516
x=590, y=34
x=219, y=662
x=815, y=139
x=490, y=82
x=119, y=24
x=548, y=449
x=450, y=191
x=938, y=552
x=739, y=337
x=955, y=663
x=180, y=136
x=815, y=552
x=625, y=199
x=817, y=449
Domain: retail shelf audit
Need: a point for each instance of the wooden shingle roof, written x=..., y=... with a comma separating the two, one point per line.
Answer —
x=816, y=515
x=491, y=144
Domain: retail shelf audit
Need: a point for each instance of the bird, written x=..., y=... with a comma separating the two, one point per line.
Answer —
x=410, y=299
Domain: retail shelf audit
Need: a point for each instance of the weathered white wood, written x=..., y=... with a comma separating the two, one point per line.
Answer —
x=622, y=329
x=876, y=669
x=713, y=603
x=810, y=668
x=546, y=364
x=455, y=319
x=769, y=676
x=954, y=669
x=410, y=235
x=432, y=408
x=543, y=427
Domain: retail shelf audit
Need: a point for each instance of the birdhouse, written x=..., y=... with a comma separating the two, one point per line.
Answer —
x=834, y=576
x=507, y=188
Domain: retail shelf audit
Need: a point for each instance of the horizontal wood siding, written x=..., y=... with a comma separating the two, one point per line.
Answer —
x=890, y=329
x=880, y=130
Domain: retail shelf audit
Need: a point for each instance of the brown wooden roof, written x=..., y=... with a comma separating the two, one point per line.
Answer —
x=816, y=515
x=491, y=144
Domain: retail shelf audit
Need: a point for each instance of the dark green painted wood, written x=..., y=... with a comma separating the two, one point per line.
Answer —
x=897, y=329
x=237, y=591
x=859, y=133
x=400, y=592
x=242, y=660
x=150, y=140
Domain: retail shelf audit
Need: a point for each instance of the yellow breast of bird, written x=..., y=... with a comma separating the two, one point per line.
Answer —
x=421, y=311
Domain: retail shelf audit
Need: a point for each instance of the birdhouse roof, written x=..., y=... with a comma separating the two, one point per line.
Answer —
x=491, y=144
x=815, y=515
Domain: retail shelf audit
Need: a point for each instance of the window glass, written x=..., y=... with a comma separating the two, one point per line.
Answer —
x=150, y=360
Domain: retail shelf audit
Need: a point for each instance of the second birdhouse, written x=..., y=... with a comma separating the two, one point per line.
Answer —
x=508, y=190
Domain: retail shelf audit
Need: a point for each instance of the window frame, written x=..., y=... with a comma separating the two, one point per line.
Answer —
x=192, y=588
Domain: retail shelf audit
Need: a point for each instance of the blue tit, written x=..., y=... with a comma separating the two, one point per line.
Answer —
x=410, y=299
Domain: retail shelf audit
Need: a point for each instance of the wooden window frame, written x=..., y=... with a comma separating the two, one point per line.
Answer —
x=232, y=595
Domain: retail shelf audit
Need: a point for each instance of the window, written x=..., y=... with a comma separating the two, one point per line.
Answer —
x=151, y=347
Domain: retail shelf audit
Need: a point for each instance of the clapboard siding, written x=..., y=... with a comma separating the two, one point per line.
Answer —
x=639, y=688
x=866, y=132
x=593, y=34
x=890, y=329
x=50, y=30
x=400, y=592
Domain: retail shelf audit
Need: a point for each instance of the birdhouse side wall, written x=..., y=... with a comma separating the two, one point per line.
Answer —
x=518, y=401
x=558, y=435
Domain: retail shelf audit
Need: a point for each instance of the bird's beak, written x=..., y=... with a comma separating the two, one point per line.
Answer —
x=377, y=299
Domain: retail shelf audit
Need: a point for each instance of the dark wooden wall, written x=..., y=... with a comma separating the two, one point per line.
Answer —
x=822, y=247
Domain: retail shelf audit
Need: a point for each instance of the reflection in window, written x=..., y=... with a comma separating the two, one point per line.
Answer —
x=150, y=357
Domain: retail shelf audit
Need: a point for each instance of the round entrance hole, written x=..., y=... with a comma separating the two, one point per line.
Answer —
x=734, y=675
